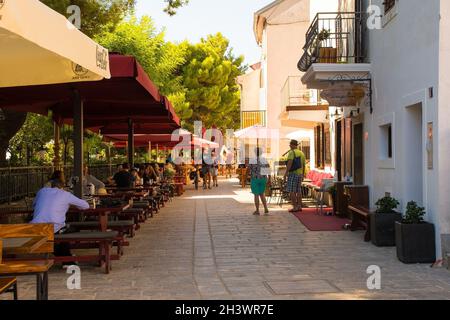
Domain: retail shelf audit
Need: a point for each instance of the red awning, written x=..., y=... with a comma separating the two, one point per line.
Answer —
x=128, y=94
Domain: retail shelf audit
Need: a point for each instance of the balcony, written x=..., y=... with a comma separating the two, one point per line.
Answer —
x=334, y=60
x=294, y=98
x=301, y=104
x=253, y=118
x=333, y=38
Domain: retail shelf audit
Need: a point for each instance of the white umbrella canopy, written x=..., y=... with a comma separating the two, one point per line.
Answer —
x=300, y=135
x=196, y=141
x=39, y=46
x=253, y=132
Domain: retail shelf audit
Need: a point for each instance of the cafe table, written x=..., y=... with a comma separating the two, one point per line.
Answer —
x=26, y=245
x=101, y=213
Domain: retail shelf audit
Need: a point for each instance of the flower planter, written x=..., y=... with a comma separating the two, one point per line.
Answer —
x=382, y=228
x=415, y=242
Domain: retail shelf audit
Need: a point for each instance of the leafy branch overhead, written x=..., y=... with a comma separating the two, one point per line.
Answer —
x=173, y=5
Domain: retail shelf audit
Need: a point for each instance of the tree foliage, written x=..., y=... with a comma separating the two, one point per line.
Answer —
x=209, y=79
x=96, y=15
x=141, y=39
x=32, y=137
x=173, y=5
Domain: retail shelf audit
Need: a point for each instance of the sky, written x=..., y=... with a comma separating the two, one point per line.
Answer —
x=233, y=18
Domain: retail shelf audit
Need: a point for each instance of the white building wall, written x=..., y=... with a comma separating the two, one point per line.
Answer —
x=442, y=129
x=404, y=57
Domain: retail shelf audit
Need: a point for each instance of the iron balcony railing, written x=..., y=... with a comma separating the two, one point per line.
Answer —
x=293, y=94
x=21, y=182
x=334, y=38
x=253, y=118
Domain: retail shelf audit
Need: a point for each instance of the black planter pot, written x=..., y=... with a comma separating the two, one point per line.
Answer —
x=382, y=228
x=415, y=242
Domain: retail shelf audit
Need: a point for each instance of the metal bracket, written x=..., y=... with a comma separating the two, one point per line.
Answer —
x=365, y=80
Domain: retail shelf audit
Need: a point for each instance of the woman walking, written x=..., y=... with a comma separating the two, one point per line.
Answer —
x=259, y=173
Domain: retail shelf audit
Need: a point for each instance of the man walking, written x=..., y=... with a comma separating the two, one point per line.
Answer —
x=295, y=171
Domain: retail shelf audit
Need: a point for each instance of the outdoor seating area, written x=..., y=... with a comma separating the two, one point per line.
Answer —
x=278, y=149
x=94, y=233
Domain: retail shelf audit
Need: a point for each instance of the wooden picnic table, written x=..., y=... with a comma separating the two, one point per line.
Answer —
x=101, y=213
x=26, y=268
x=23, y=245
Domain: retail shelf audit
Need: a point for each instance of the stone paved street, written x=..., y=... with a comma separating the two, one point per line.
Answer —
x=208, y=245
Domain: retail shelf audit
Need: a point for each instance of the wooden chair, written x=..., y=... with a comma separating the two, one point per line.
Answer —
x=31, y=257
x=9, y=285
x=358, y=200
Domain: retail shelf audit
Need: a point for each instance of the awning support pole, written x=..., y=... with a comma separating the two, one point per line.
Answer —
x=78, y=144
x=131, y=143
x=56, y=146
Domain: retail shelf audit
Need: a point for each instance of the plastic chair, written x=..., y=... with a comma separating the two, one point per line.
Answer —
x=320, y=192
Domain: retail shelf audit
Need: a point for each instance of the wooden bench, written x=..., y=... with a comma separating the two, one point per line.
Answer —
x=358, y=199
x=103, y=241
x=24, y=251
x=123, y=227
x=9, y=285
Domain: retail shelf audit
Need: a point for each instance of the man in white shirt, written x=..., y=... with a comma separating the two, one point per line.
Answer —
x=51, y=206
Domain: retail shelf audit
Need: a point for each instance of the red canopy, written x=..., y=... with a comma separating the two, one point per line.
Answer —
x=128, y=94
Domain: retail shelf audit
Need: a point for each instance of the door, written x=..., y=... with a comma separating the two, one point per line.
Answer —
x=414, y=156
x=358, y=154
x=338, y=143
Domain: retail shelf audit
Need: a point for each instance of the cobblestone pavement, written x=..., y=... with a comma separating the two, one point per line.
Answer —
x=208, y=245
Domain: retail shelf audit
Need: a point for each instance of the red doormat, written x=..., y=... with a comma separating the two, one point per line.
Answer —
x=315, y=222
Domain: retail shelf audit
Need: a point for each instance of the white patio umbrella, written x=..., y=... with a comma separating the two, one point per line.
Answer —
x=204, y=143
x=300, y=135
x=39, y=46
x=254, y=132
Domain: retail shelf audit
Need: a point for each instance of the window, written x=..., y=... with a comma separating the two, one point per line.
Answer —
x=386, y=143
x=388, y=5
x=323, y=145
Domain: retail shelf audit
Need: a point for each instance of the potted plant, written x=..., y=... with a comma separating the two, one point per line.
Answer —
x=382, y=222
x=326, y=54
x=415, y=238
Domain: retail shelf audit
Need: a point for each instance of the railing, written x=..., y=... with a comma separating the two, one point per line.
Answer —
x=334, y=38
x=252, y=118
x=18, y=183
x=293, y=95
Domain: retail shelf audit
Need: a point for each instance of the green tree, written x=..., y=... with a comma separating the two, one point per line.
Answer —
x=32, y=137
x=141, y=39
x=161, y=60
x=173, y=5
x=209, y=81
x=96, y=15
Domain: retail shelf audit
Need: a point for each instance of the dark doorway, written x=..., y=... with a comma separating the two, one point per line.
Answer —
x=338, y=143
x=358, y=154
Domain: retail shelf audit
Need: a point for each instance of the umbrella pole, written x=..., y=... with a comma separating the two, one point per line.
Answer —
x=131, y=143
x=56, y=147
x=149, y=151
x=78, y=144
x=157, y=153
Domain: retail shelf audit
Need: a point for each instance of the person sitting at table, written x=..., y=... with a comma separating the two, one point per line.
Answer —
x=136, y=179
x=88, y=181
x=159, y=173
x=124, y=179
x=56, y=175
x=111, y=179
x=51, y=205
x=149, y=175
